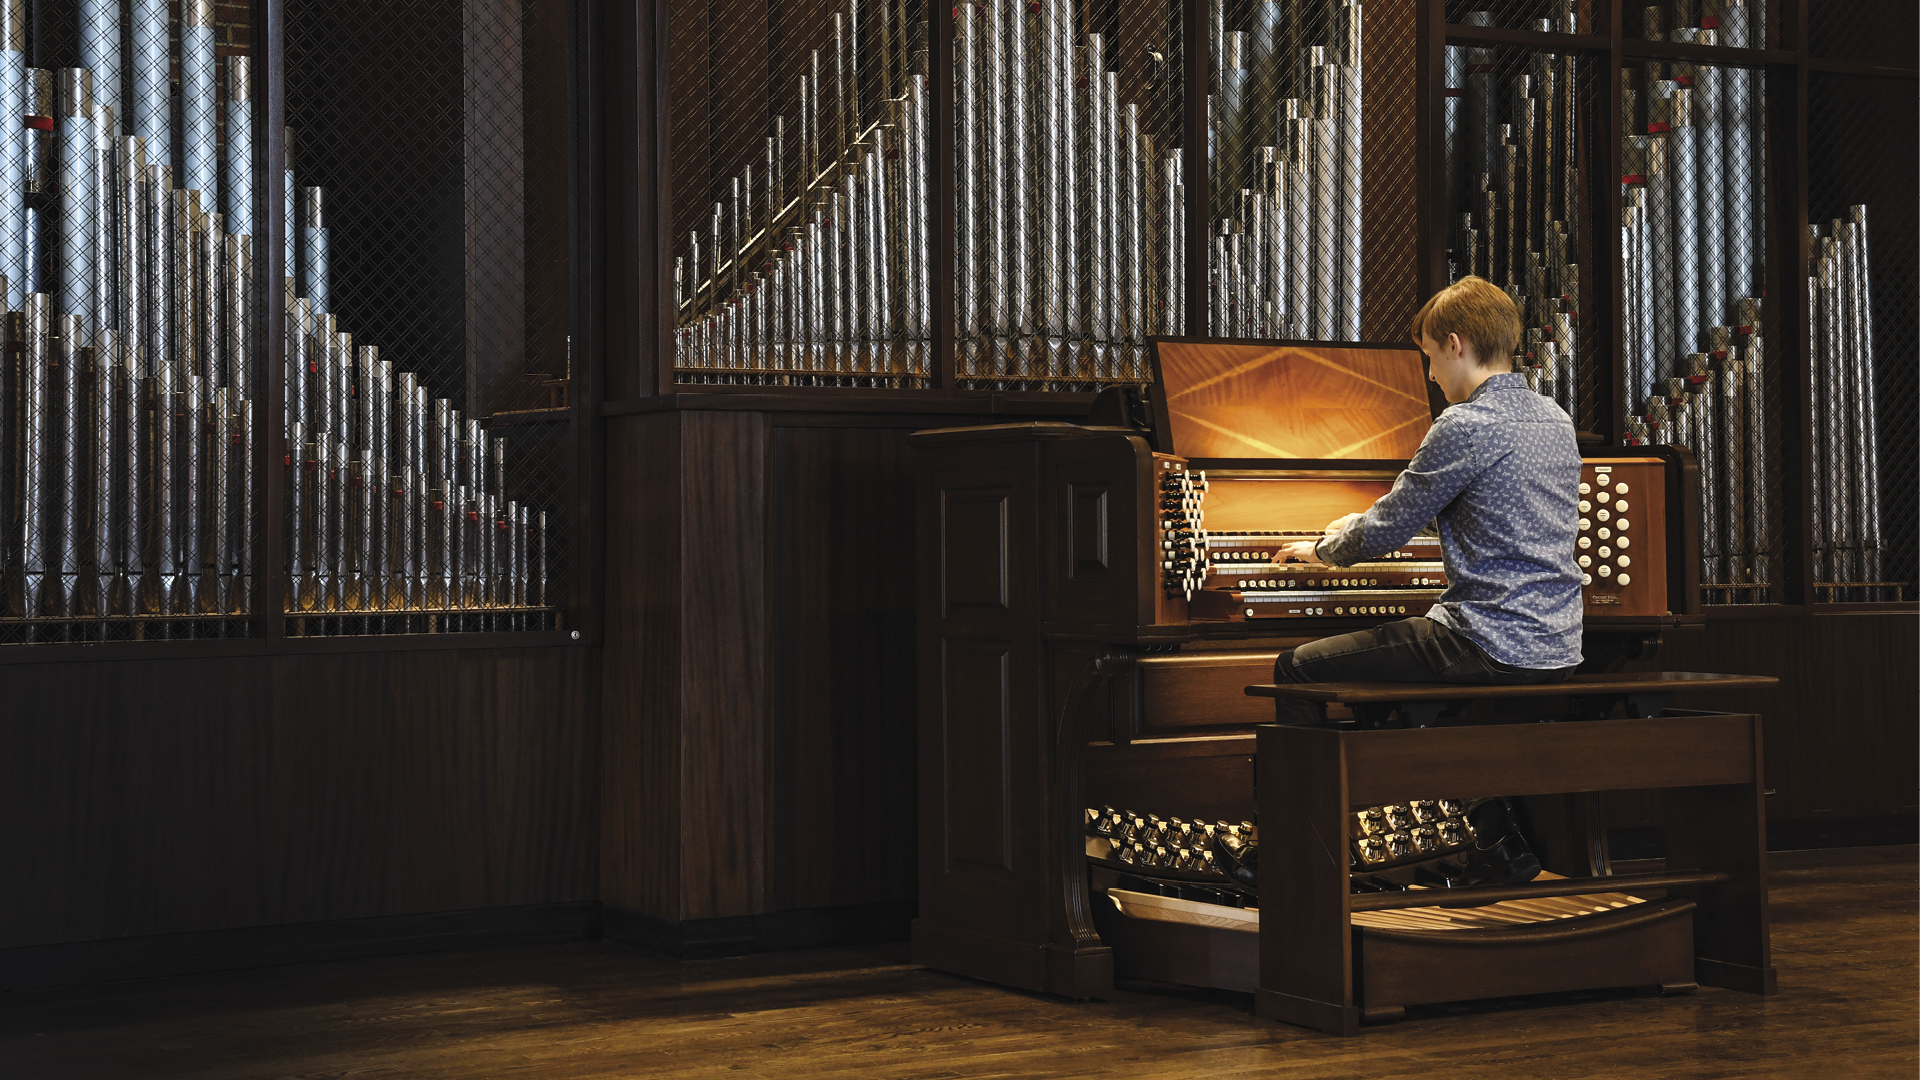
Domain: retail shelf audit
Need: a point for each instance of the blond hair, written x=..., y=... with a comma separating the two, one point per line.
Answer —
x=1480, y=312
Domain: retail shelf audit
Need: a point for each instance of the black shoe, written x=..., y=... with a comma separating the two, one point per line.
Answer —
x=1241, y=864
x=1500, y=854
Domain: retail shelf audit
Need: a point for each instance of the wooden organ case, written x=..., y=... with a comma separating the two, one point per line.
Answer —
x=1094, y=599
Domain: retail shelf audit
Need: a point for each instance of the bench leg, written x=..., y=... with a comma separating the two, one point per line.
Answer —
x=1724, y=828
x=1306, y=943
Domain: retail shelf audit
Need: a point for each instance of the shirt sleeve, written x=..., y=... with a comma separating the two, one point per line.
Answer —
x=1440, y=470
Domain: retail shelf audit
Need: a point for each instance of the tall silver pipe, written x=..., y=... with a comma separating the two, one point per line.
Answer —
x=42, y=175
x=1853, y=378
x=199, y=101
x=212, y=304
x=442, y=521
x=106, y=442
x=35, y=430
x=407, y=496
x=13, y=337
x=76, y=258
x=1755, y=431
x=1231, y=109
x=1056, y=228
x=1745, y=173
x=1098, y=172
x=164, y=471
x=66, y=479
x=1019, y=176
x=16, y=140
x=248, y=499
x=1646, y=252
x=967, y=180
x=1454, y=129
x=1710, y=114
x=842, y=90
x=1660, y=196
x=1867, y=405
x=1567, y=348
x=151, y=77
x=1349, y=25
x=1634, y=299
x=314, y=280
x=1816, y=413
x=487, y=546
x=237, y=193
x=1112, y=211
x=1326, y=192
x=327, y=520
x=361, y=489
x=537, y=593
x=1685, y=248
x=183, y=255
x=239, y=314
x=919, y=182
x=1296, y=117
x=1738, y=484
x=188, y=418
x=1833, y=437
x=414, y=518
x=219, y=502
x=299, y=515
x=131, y=267
x=1526, y=156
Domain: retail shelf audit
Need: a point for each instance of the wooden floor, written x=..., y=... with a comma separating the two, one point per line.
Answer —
x=1844, y=941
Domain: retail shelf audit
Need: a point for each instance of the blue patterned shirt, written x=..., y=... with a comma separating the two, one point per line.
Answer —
x=1501, y=474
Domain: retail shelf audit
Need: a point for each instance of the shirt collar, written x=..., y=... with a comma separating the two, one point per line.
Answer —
x=1503, y=381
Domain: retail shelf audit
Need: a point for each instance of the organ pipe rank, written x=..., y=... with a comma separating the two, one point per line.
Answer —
x=127, y=487
x=1514, y=188
x=1846, y=488
x=1691, y=246
x=830, y=281
x=1286, y=147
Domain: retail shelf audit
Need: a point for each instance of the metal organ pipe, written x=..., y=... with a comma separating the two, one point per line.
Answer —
x=15, y=141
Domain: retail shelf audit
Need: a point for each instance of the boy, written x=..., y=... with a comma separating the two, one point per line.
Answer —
x=1499, y=474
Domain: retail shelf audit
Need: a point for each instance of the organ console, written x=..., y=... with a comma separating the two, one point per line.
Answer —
x=1095, y=597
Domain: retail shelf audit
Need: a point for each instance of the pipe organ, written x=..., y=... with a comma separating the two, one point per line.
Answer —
x=130, y=387
x=1094, y=599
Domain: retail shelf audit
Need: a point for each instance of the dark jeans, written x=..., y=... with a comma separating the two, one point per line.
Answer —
x=1410, y=650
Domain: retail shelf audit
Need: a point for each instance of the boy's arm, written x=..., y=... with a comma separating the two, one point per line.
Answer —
x=1441, y=469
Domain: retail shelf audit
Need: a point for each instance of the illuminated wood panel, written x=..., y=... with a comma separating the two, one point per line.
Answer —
x=1305, y=402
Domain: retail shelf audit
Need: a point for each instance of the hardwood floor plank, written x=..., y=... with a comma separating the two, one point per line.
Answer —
x=1844, y=941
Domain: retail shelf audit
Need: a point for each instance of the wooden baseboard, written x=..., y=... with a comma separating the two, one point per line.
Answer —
x=116, y=959
x=776, y=931
x=1019, y=964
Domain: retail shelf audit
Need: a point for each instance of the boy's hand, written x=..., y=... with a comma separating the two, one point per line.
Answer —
x=1337, y=524
x=1301, y=550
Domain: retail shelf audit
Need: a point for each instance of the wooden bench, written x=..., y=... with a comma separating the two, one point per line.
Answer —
x=1590, y=697
x=1706, y=918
